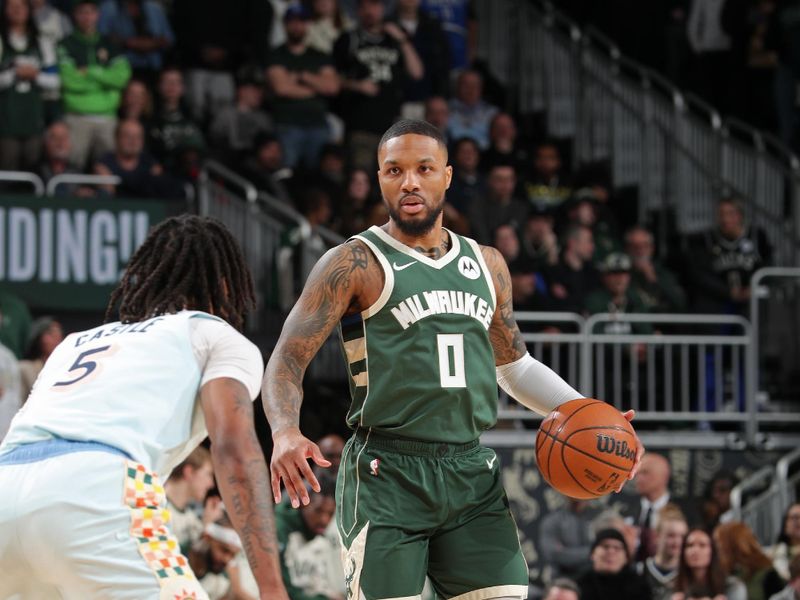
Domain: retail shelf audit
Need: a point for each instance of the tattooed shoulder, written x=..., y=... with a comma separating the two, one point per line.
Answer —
x=504, y=332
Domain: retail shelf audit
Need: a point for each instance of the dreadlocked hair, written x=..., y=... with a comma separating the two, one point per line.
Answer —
x=186, y=262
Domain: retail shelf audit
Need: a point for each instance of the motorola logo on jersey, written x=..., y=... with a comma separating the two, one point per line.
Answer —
x=468, y=268
x=608, y=445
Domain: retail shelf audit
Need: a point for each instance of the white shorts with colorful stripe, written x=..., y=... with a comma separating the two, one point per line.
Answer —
x=88, y=525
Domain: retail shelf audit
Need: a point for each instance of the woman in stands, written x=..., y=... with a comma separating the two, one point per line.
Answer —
x=700, y=574
x=788, y=544
x=741, y=554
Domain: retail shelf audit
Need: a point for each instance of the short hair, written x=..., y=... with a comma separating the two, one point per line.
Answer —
x=564, y=584
x=734, y=201
x=198, y=457
x=413, y=127
x=670, y=512
x=573, y=230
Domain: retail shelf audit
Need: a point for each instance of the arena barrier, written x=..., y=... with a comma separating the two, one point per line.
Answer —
x=260, y=223
x=674, y=149
x=690, y=374
x=788, y=473
x=757, y=501
x=23, y=177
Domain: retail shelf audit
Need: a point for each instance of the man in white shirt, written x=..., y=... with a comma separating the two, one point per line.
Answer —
x=116, y=408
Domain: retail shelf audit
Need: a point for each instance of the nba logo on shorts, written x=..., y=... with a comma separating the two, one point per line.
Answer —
x=373, y=466
x=468, y=268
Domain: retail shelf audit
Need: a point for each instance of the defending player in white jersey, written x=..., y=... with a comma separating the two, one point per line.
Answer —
x=82, y=507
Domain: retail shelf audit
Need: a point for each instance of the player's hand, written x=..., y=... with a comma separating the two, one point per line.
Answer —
x=629, y=415
x=289, y=463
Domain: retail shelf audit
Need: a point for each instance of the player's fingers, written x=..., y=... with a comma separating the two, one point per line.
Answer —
x=319, y=458
x=298, y=485
x=308, y=473
x=275, y=481
x=290, y=482
x=629, y=414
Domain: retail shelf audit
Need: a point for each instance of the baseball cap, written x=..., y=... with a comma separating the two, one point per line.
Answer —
x=615, y=262
x=296, y=11
x=609, y=534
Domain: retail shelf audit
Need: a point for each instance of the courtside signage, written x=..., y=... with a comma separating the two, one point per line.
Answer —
x=69, y=253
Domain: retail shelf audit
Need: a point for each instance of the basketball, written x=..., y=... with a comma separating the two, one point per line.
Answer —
x=585, y=448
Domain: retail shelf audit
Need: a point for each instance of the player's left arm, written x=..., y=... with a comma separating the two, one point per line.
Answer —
x=521, y=376
x=243, y=479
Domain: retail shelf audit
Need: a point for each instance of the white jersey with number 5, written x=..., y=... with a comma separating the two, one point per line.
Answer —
x=135, y=386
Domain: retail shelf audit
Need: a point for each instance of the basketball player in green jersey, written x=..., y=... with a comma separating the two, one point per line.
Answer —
x=428, y=331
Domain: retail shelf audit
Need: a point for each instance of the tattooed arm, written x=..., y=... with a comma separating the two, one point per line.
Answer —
x=333, y=289
x=504, y=332
x=241, y=474
x=525, y=379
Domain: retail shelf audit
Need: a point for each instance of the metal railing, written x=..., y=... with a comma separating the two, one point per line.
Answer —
x=79, y=179
x=788, y=477
x=757, y=501
x=675, y=149
x=260, y=223
x=690, y=372
x=23, y=177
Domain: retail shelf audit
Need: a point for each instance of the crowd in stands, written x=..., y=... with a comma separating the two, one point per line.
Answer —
x=741, y=56
x=295, y=95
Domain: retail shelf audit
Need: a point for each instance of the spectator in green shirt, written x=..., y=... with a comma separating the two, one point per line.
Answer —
x=93, y=74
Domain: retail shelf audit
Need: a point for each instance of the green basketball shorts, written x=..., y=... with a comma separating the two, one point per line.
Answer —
x=407, y=509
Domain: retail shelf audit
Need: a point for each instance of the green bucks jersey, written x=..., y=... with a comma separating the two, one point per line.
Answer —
x=420, y=361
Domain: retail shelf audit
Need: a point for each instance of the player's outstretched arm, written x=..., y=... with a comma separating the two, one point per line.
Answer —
x=242, y=477
x=522, y=377
x=332, y=288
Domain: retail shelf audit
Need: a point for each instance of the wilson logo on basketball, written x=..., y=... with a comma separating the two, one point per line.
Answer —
x=607, y=444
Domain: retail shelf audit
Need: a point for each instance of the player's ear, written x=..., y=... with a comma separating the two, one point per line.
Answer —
x=448, y=172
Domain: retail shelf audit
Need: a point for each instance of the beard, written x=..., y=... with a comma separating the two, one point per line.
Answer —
x=417, y=225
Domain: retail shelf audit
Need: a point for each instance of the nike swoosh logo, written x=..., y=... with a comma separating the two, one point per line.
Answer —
x=397, y=267
x=490, y=463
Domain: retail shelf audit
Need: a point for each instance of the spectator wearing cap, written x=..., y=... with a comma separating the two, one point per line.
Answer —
x=650, y=280
x=45, y=334
x=615, y=295
x=173, y=136
x=470, y=114
x=235, y=128
x=611, y=575
x=373, y=60
x=142, y=29
x=93, y=74
x=302, y=79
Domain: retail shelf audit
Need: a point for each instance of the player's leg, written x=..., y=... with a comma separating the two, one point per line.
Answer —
x=17, y=581
x=382, y=523
x=103, y=520
x=477, y=556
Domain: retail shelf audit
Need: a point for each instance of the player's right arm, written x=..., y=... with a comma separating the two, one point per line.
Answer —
x=333, y=289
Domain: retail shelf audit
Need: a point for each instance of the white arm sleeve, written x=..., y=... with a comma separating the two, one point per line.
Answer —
x=534, y=385
x=221, y=351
